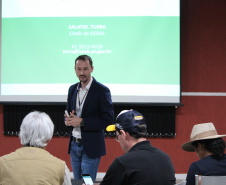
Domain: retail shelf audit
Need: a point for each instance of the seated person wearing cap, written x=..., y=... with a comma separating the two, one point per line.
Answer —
x=142, y=163
x=209, y=146
x=32, y=164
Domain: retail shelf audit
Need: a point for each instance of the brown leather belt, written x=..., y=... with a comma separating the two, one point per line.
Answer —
x=77, y=140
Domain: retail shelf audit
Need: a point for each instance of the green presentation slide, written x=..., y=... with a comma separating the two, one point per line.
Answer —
x=125, y=50
x=134, y=55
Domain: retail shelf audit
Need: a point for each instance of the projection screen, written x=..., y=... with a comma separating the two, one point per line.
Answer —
x=134, y=44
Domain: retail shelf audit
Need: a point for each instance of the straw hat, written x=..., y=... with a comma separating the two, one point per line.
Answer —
x=201, y=132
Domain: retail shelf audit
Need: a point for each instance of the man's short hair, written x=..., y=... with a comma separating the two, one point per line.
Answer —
x=84, y=58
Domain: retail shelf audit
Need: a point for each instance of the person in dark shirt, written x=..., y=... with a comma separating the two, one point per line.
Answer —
x=90, y=110
x=142, y=163
x=209, y=146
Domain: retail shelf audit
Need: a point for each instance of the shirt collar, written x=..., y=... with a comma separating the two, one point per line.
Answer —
x=87, y=86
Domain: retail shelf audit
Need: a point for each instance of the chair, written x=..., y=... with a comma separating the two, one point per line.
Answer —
x=182, y=183
x=210, y=180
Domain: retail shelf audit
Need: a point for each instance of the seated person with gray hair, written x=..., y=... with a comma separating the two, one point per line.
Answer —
x=32, y=164
x=142, y=163
x=209, y=147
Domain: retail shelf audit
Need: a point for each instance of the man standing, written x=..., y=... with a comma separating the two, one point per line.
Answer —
x=91, y=111
x=142, y=164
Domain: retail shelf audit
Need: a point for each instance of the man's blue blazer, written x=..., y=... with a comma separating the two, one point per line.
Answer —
x=97, y=113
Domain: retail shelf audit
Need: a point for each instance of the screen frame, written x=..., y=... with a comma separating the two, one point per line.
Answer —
x=41, y=102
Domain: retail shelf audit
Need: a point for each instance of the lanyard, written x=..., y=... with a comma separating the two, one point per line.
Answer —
x=80, y=103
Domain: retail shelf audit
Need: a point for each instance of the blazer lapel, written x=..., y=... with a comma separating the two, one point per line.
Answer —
x=89, y=95
x=74, y=99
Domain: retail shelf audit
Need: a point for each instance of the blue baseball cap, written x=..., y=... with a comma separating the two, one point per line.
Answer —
x=127, y=120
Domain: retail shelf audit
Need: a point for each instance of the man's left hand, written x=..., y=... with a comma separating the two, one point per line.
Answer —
x=73, y=120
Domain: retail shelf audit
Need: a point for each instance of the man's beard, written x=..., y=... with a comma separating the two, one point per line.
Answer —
x=84, y=79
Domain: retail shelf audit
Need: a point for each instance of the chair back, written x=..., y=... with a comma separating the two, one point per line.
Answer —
x=210, y=180
x=182, y=183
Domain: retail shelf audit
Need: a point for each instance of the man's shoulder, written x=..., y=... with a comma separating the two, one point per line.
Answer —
x=142, y=155
x=11, y=156
x=142, y=148
x=127, y=156
x=5, y=157
x=73, y=87
x=99, y=85
x=161, y=152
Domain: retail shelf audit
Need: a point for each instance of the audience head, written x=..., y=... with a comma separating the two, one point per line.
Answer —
x=205, y=139
x=36, y=129
x=132, y=122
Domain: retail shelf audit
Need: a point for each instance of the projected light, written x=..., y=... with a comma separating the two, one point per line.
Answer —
x=134, y=44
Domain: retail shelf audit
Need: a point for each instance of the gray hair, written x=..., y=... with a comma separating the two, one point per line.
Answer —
x=36, y=129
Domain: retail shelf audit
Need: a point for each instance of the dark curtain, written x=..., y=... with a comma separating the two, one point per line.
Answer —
x=160, y=119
